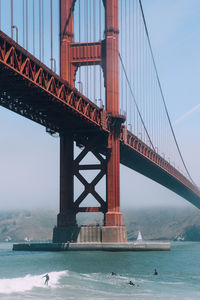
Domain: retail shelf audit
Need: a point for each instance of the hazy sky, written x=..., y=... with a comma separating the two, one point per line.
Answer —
x=29, y=158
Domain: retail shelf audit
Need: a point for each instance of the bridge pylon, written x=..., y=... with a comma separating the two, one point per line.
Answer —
x=113, y=229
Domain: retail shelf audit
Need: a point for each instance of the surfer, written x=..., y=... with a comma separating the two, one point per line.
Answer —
x=155, y=272
x=113, y=273
x=47, y=279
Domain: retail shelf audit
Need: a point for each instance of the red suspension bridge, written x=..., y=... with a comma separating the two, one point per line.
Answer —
x=107, y=99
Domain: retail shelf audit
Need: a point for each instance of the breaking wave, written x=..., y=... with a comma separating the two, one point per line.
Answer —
x=27, y=283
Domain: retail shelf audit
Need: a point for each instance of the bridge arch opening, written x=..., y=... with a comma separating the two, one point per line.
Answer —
x=90, y=82
x=90, y=219
x=89, y=21
x=89, y=201
x=89, y=28
x=90, y=181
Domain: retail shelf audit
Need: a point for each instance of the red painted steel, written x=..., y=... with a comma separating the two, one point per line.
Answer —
x=22, y=63
x=66, y=38
x=84, y=54
x=67, y=216
x=89, y=188
x=111, y=71
x=74, y=55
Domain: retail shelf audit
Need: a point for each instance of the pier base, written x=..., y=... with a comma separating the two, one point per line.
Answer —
x=90, y=234
x=129, y=246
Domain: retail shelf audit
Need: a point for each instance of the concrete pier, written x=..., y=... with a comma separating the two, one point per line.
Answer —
x=90, y=234
x=129, y=246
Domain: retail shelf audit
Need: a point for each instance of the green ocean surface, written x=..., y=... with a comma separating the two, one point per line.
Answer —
x=87, y=275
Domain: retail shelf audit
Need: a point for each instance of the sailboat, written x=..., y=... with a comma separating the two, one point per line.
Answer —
x=139, y=237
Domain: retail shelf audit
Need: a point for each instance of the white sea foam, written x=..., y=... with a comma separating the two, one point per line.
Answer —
x=22, y=284
x=174, y=282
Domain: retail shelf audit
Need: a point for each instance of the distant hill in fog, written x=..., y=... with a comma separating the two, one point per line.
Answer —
x=154, y=223
x=34, y=225
x=163, y=223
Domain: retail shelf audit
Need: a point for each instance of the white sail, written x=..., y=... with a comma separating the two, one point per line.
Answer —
x=139, y=237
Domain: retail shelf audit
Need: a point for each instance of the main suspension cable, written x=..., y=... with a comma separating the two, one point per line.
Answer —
x=162, y=95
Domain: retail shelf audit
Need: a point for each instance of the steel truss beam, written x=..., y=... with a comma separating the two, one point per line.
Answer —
x=17, y=61
x=84, y=54
x=89, y=188
x=26, y=110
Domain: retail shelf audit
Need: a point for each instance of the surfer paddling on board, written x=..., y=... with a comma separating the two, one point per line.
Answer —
x=47, y=279
x=155, y=272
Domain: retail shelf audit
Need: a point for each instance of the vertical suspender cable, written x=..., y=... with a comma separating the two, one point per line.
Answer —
x=79, y=20
x=90, y=39
x=125, y=17
x=150, y=103
x=79, y=17
x=137, y=59
x=11, y=7
x=131, y=58
x=148, y=100
x=51, y=22
x=135, y=64
x=100, y=38
x=23, y=23
x=121, y=37
x=155, y=121
x=145, y=74
x=87, y=45
x=142, y=85
x=85, y=39
x=26, y=24
x=140, y=72
x=40, y=29
x=33, y=28
x=143, y=82
x=132, y=29
x=0, y=14
x=94, y=37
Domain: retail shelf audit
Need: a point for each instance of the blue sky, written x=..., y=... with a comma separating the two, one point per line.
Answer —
x=29, y=157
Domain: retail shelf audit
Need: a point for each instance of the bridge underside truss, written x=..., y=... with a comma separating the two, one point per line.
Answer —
x=31, y=89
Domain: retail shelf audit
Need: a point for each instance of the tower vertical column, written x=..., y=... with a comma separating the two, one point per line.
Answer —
x=113, y=216
x=66, y=229
x=66, y=38
x=67, y=216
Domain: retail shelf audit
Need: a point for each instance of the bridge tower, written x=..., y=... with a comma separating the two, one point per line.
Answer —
x=113, y=229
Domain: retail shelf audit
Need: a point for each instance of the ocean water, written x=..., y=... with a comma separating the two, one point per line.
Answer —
x=87, y=275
